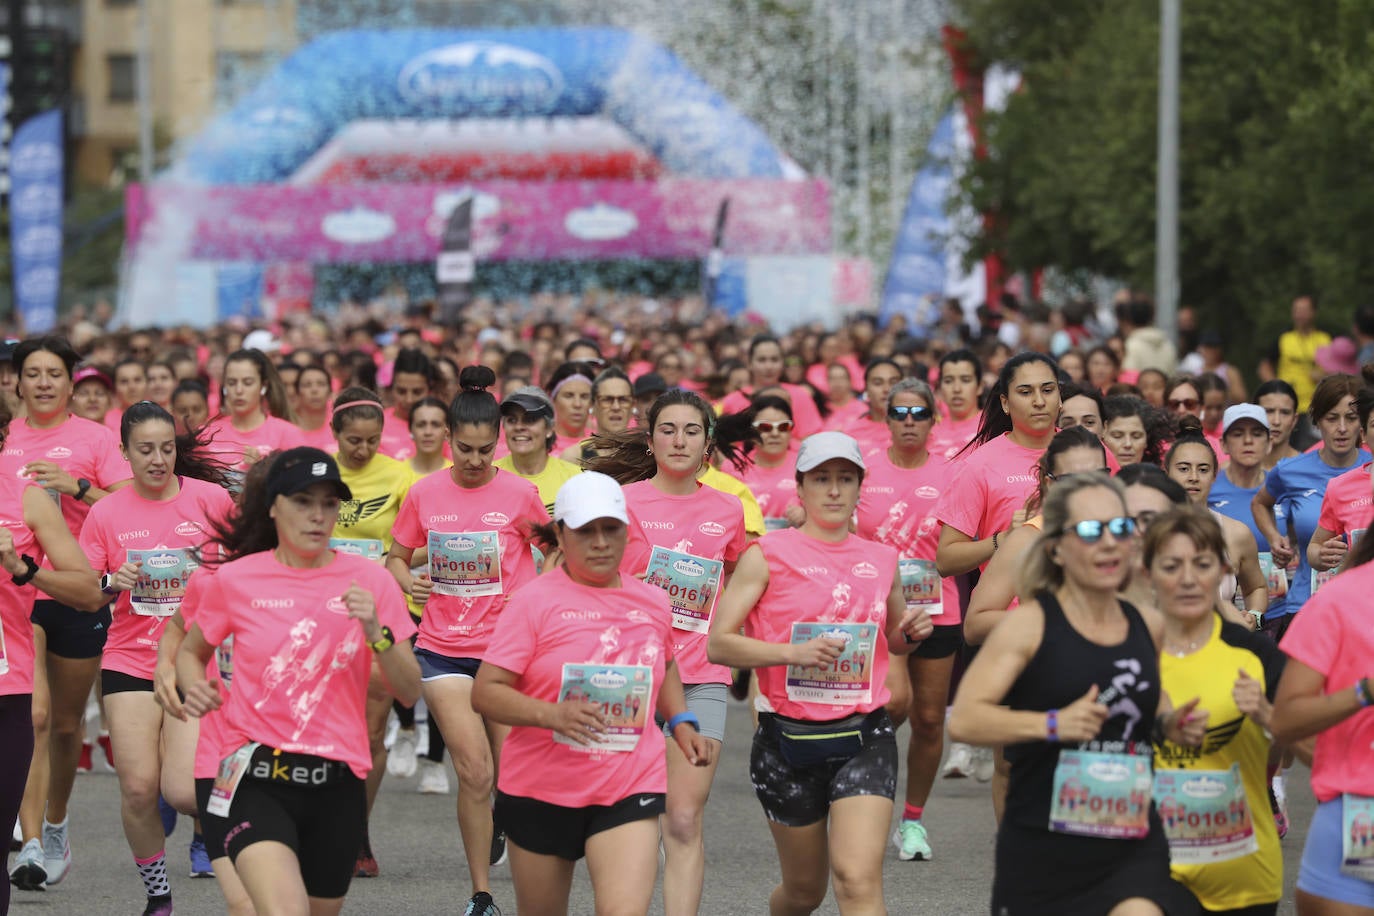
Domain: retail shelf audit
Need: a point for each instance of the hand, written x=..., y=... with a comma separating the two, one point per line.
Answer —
x=9, y=557
x=1018, y=518
x=1187, y=725
x=49, y=475
x=203, y=697
x=251, y=455
x=126, y=577
x=698, y=749
x=795, y=515
x=816, y=653
x=362, y=607
x=917, y=626
x=1281, y=551
x=165, y=690
x=579, y=720
x=1332, y=552
x=1250, y=699
x=420, y=587
x=1082, y=719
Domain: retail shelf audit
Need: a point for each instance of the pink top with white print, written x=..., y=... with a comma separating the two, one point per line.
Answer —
x=77, y=446
x=1346, y=504
x=228, y=444
x=16, y=601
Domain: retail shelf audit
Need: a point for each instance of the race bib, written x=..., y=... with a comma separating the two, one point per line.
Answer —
x=1357, y=836
x=691, y=583
x=1102, y=795
x=1274, y=576
x=161, y=580
x=847, y=680
x=921, y=586
x=224, y=659
x=231, y=770
x=776, y=524
x=367, y=548
x=1321, y=577
x=465, y=565
x=1206, y=815
x=624, y=693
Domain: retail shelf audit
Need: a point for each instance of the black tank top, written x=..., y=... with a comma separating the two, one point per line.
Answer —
x=1061, y=671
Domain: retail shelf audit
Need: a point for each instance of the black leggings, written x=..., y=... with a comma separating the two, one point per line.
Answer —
x=16, y=737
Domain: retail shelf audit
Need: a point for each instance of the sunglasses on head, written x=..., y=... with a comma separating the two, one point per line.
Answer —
x=784, y=427
x=916, y=413
x=1089, y=531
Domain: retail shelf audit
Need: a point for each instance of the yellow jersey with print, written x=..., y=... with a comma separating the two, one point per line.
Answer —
x=556, y=473
x=379, y=488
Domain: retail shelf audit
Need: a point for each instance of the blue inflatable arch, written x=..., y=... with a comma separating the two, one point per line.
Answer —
x=524, y=73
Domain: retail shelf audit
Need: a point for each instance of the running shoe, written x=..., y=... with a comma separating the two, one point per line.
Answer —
x=367, y=866
x=498, y=846
x=83, y=764
x=983, y=764
x=160, y=905
x=481, y=904
x=28, y=873
x=200, y=858
x=912, y=842
x=168, y=815
x=401, y=762
x=107, y=765
x=959, y=764
x=433, y=778
x=57, y=852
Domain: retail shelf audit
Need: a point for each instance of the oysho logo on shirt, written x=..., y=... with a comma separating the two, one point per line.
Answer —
x=580, y=615
x=864, y=570
x=1021, y=478
x=927, y=493
x=639, y=617
x=882, y=490
x=657, y=526
x=814, y=571
x=495, y=518
x=272, y=602
x=711, y=529
x=125, y=535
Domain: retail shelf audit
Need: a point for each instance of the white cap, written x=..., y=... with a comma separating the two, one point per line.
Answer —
x=588, y=497
x=1238, y=412
x=261, y=340
x=817, y=449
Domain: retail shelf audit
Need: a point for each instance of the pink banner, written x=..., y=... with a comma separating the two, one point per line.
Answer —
x=514, y=220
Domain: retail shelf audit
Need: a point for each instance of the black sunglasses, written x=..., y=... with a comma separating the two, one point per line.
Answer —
x=1090, y=530
x=915, y=413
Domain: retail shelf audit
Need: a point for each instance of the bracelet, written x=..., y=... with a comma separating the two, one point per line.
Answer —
x=685, y=716
x=1052, y=726
x=1362, y=695
x=25, y=577
x=994, y=541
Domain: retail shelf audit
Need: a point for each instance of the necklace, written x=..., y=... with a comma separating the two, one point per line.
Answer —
x=1182, y=653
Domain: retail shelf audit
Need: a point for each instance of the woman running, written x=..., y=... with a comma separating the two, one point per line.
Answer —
x=91, y=390
x=477, y=523
x=581, y=773
x=772, y=474
x=1070, y=685
x=1245, y=437
x=255, y=419
x=527, y=418
x=870, y=429
x=314, y=388
x=290, y=799
x=613, y=403
x=570, y=389
x=821, y=609
x=765, y=371
x=1133, y=431
x=960, y=388
x=429, y=432
x=412, y=376
x=1345, y=513
x=145, y=540
x=1280, y=403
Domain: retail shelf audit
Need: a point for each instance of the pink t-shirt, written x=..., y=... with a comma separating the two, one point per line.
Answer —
x=322, y=439
x=552, y=622
x=562, y=443
x=897, y=508
x=211, y=735
x=396, y=441
x=989, y=485
x=125, y=521
x=509, y=506
x=273, y=434
x=809, y=582
x=775, y=488
x=869, y=434
x=948, y=436
x=1346, y=503
x=804, y=412
x=708, y=524
x=1332, y=636
x=77, y=446
x=301, y=664
x=16, y=601
x=840, y=417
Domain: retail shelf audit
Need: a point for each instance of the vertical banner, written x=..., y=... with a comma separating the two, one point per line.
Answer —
x=36, y=219
x=456, y=265
x=715, y=260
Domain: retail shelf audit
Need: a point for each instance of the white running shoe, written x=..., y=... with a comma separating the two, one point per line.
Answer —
x=401, y=762
x=28, y=873
x=433, y=778
x=959, y=763
x=57, y=852
x=393, y=725
x=983, y=764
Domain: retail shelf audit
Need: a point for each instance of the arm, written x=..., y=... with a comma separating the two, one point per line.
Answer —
x=728, y=646
x=71, y=579
x=1262, y=507
x=400, y=670
x=202, y=695
x=698, y=750
x=398, y=561
x=1249, y=577
x=959, y=553
x=996, y=587
x=1326, y=550
x=906, y=629
x=495, y=696
x=1302, y=708
x=165, y=674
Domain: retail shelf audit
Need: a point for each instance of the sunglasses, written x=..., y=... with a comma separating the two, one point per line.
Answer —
x=1184, y=404
x=915, y=413
x=1090, y=530
x=784, y=427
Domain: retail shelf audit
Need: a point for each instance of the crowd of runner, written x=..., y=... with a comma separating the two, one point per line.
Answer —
x=289, y=560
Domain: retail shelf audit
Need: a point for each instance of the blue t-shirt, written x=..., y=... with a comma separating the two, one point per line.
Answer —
x=1298, y=485
x=1234, y=502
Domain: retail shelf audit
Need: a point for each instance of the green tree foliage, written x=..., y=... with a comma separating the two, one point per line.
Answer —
x=1276, y=150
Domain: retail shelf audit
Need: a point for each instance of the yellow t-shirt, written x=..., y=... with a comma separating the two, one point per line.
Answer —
x=1297, y=359
x=378, y=488
x=1232, y=738
x=753, y=515
x=556, y=473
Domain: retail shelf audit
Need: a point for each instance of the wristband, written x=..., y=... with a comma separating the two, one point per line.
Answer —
x=1052, y=726
x=83, y=486
x=685, y=716
x=386, y=642
x=994, y=541
x=25, y=577
x=1362, y=692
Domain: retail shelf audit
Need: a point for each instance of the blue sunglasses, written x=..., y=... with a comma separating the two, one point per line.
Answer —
x=1089, y=531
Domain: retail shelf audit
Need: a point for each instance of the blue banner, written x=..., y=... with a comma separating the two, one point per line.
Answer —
x=36, y=170
x=916, y=277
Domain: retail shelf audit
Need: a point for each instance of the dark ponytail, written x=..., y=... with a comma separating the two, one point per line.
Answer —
x=192, y=459
x=626, y=456
x=996, y=421
x=1189, y=433
x=475, y=405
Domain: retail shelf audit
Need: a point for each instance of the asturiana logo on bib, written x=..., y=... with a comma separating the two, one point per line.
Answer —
x=865, y=570
x=59, y=452
x=1203, y=787
x=188, y=529
x=495, y=518
x=608, y=680
x=843, y=636
x=689, y=568
x=1108, y=771
x=162, y=561
x=711, y=529
x=459, y=543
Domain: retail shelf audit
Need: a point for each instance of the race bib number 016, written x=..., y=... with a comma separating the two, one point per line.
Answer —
x=691, y=583
x=624, y=693
x=161, y=580
x=847, y=680
x=1206, y=815
x=465, y=565
x=921, y=586
x=1101, y=795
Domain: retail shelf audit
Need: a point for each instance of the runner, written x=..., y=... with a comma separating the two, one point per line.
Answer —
x=1345, y=513
x=1245, y=436
x=91, y=390
x=527, y=418
x=579, y=775
x=412, y=375
x=429, y=432
x=290, y=799
x=960, y=388
x=476, y=521
x=255, y=419
x=1080, y=405
x=190, y=405
x=162, y=381
x=313, y=391
x=1280, y=403
x=1134, y=431
x=765, y=371
x=570, y=389
x=613, y=406
x=145, y=540
x=1068, y=683
x=824, y=760
x=870, y=429
x=771, y=476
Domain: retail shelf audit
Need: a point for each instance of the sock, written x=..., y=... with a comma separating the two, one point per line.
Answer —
x=153, y=871
x=47, y=823
x=912, y=813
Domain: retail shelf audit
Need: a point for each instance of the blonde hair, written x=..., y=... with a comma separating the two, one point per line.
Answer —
x=1040, y=572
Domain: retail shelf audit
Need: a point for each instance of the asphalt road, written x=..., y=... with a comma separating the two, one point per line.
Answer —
x=415, y=838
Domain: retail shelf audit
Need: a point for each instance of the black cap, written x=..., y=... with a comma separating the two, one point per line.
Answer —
x=650, y=383
x=300, y=468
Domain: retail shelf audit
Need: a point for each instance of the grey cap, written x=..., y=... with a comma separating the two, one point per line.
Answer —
x=817, y=449
x=531, y=399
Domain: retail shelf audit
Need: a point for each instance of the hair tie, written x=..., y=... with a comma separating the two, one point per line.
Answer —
x=575, y=377
x=348, y=404
x=474, y=387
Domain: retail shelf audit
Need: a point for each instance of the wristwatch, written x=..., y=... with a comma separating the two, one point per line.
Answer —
x=82, y=487
x=386, y=642
x=108, y=586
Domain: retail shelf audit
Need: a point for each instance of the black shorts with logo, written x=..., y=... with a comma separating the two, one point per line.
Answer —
x=554, y=830
x=72, y=633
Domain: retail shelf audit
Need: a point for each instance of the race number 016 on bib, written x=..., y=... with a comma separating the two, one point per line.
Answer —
x=921, y=586
x=1103, y=795
x=622, y=691
x=691, y=583
x=847, y=680
x=161, y=580
x=465, y=565
x=1206, y=815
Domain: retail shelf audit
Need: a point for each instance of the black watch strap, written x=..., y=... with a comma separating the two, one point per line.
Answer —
x=27, y=575
x=83, y=487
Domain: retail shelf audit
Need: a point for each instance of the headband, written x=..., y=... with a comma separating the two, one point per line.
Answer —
x=575, y=377
x=348, y=404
